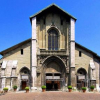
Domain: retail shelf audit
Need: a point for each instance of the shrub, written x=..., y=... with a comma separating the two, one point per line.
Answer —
x=83, y=88
x=5, y=88
x=26, y=88
x=14, y=87
x=92, y=87
x=69, y=87
x=43, y=87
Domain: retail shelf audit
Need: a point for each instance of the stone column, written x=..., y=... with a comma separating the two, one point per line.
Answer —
x=97, y=71
x=19, y=82
x=72, y=53
x=3, y=82
x=11, y=84
x=34, y=50
x=67, y=39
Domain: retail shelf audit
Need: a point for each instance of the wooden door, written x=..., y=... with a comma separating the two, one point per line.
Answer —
x=58, y=84
x=23, y=85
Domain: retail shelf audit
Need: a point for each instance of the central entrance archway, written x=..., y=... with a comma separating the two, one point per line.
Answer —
x=54, y=74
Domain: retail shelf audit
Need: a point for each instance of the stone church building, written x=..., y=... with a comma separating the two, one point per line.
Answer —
x=51, y=57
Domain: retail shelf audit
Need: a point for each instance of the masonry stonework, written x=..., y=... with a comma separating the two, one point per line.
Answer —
x=51, y=57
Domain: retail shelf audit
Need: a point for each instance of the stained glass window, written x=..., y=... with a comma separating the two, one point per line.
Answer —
x=53, y=40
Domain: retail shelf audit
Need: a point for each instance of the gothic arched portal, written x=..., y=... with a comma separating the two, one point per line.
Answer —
x=54, y=73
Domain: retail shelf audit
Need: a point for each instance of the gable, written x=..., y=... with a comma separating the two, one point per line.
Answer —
x=14, y=47
x=53, y=9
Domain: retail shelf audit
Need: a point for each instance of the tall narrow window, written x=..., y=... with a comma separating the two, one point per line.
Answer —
x=21, y=51
x=53, y=40
x=44, y=21
x=61, y=22
x=80, y=53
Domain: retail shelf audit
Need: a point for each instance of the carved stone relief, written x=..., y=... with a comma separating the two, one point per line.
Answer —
x=42, y=58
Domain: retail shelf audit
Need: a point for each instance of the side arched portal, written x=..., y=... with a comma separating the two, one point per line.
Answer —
x=54, y=73
x=25, y=78
x=81, y=78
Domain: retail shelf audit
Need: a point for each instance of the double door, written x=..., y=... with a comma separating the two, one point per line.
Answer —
x=53, y=85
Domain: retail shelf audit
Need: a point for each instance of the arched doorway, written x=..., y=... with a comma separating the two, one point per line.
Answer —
x=81, y=78
x=25, y=78
x=54, y=73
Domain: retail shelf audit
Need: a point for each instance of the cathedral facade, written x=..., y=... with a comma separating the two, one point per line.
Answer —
x=51, y=57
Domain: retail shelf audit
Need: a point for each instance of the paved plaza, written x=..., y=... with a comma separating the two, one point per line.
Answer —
x=51, y=96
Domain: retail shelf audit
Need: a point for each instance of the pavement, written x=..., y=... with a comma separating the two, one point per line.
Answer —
x=50, y=96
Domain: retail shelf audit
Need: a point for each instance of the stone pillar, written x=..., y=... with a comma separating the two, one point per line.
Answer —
x=72, y=53
x=19, y=82
x=11, y=84
x=34, y=50
x=97, y=71
x=3, y=82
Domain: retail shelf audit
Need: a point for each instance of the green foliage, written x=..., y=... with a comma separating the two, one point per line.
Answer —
x=5, y=88
x=43, y=87
x=69, y=87
x=83, y=88
x=92, y=87
x=14, y=87
x=26, y=88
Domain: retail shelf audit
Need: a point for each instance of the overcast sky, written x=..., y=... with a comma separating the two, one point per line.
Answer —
x=15, y=25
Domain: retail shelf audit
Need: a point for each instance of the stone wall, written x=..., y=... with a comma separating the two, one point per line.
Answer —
x=51, y=21
x=23, y=60
x=42, y=30
x=84, y=60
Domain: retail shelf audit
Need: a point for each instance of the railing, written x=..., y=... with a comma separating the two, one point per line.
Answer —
x=49, y=77
x=53, y=52
x=56, y=77
x=52, y=77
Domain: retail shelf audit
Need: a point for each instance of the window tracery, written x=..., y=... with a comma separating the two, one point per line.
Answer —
x=52, y=40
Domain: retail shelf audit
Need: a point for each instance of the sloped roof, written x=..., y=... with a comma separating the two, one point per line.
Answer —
x=15, y=46
x=54, y=6
x=86, y=49
x=29, y=40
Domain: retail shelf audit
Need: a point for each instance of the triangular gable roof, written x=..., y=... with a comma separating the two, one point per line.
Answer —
x=50, y=6
x=14, y=47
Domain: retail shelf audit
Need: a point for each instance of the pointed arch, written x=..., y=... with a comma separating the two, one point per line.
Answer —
x=53, y=38
x=57, y=59
x=24, y=68
x=82, y=71
x=81, y=78
x=54, y=68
